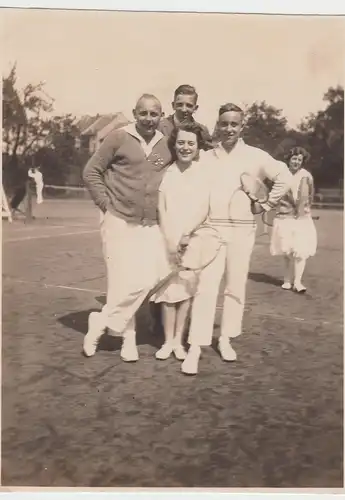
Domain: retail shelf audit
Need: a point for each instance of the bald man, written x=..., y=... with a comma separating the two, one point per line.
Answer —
x=123, y=178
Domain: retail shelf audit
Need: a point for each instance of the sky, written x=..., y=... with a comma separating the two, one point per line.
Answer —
x=101, y=62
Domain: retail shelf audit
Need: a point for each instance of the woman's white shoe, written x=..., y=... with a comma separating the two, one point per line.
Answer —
x=164, y=352
x=180, y=352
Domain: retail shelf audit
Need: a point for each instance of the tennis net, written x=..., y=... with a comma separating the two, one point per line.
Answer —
x=65, y=192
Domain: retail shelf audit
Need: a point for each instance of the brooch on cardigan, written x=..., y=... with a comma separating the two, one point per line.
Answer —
x=157, y=160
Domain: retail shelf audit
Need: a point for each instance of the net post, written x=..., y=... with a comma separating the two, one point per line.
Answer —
x=6, y=211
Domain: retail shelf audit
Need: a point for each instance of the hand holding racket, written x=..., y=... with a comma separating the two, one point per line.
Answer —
x=184, y=242
x=256, y=190
x=195, y=253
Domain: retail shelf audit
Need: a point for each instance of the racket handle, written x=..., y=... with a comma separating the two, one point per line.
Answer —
x=161, y=284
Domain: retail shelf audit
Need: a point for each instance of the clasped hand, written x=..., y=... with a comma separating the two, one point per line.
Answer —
x=176, y=250
x=256, y=207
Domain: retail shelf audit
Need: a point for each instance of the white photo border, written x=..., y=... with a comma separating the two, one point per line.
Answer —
x=271, y=7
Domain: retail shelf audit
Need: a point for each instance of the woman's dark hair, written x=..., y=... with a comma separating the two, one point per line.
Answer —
x=297, y=150
x=186, y=127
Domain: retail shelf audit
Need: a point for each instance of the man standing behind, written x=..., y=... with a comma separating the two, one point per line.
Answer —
x=185, y=104
x=123, y=177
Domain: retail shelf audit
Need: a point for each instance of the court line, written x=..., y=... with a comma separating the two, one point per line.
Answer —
x=248, y=310
x=47, y=285
x=41, y=237
x=293, y=319
x=53, y=226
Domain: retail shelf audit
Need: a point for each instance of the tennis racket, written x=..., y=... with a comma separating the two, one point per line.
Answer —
x=250, y=187
x=268, y=220
x=202, y=248
x=256, y=190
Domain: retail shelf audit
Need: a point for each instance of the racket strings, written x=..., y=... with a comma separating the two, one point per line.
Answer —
x=254, y=188
x=202, y=248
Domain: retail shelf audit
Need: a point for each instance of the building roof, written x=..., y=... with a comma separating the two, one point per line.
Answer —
x=119, y=120
x=85, y=121
x=98, y=124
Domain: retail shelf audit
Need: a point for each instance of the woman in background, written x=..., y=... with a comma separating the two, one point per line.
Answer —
x=294, y=234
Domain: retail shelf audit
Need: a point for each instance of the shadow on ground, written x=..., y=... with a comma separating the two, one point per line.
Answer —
x=148, y=326
x=265, y=278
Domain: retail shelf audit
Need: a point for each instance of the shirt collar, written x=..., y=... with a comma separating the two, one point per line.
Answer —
x=221, y=153
x=132, y=130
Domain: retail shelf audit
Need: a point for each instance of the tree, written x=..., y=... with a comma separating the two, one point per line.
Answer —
x=25, y=117
x=59, y=158
x=31, y=136
x=265, y=126
x=325, y=134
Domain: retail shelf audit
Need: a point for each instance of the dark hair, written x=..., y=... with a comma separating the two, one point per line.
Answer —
x=186, y=127
x=186, y=90
x=225, y=108
x=148, y=96
x=297, y=150
x=229, y=106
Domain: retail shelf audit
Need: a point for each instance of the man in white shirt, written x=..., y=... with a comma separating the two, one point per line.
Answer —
x=231, y=212
x=36, y=175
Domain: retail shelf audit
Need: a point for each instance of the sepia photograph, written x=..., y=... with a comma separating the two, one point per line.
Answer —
x=172, y=250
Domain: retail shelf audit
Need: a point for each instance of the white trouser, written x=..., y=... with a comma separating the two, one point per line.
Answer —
x=39, y=192
x=233, y=259
x=133, y=256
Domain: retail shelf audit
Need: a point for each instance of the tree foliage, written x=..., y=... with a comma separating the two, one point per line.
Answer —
x=265, y=126
x=33, y=135
x=26, y=117
x=325, y=133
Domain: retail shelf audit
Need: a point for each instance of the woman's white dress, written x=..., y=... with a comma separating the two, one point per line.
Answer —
x=185, y=195
x=295, y=233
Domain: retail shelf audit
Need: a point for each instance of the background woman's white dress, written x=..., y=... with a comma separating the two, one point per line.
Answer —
x=294, y=234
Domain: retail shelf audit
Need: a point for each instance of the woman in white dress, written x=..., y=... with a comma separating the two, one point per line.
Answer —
x=183, y=195
x=294, y=234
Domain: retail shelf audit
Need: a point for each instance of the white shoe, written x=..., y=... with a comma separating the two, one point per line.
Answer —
x=129, y=351
x=286, y=285
x=299, y=288
x=164, y=352
x=226, y=350
x=95, y=331
x=190, y=364
x=180, y=352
